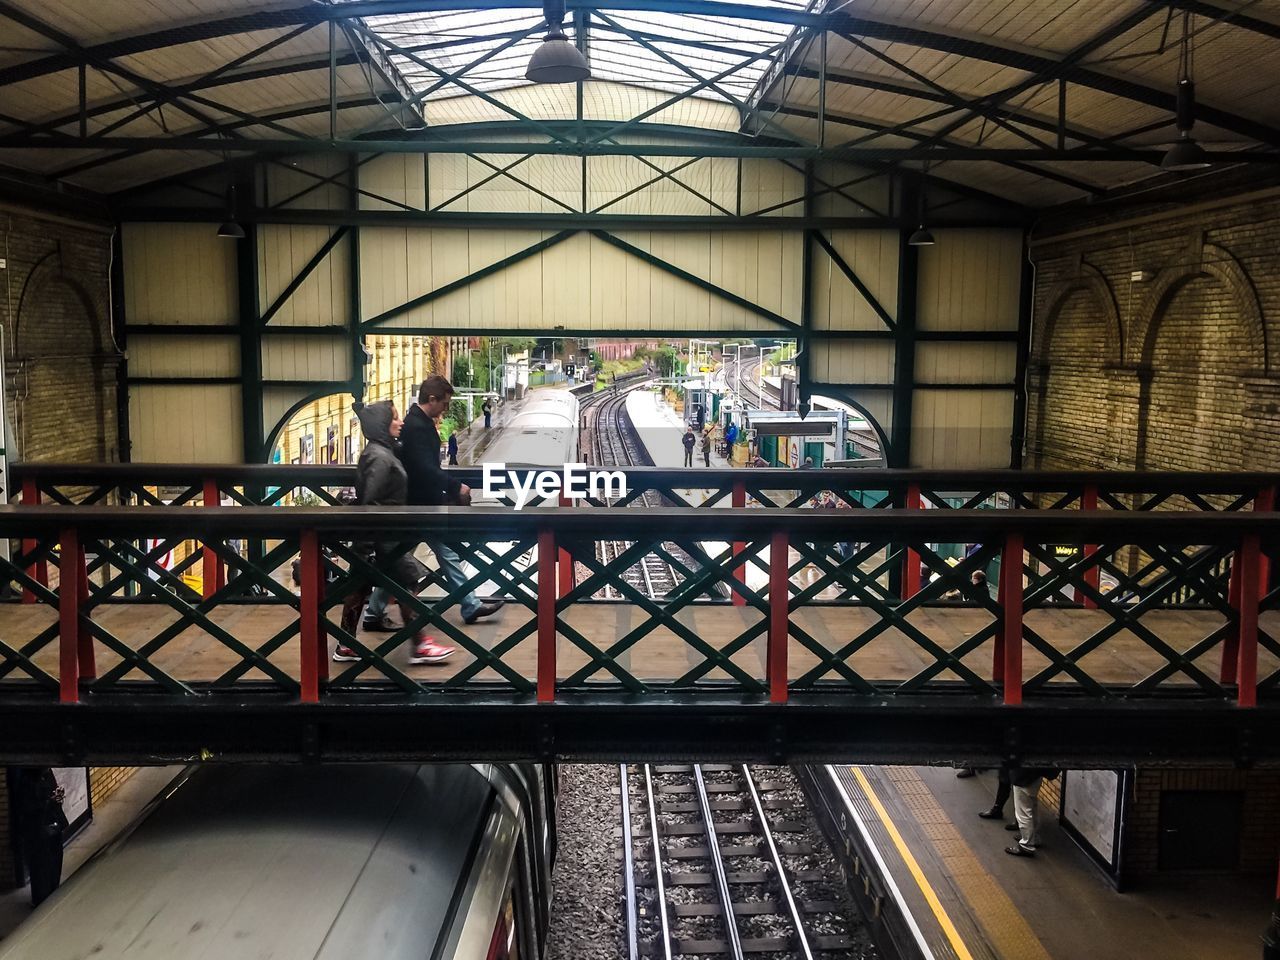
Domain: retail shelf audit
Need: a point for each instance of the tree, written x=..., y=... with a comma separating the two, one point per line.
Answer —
x=665, y=359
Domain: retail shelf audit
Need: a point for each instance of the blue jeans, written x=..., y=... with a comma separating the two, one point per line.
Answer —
x=450, y=565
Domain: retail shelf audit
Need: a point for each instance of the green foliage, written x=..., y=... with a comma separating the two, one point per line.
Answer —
x=462, y=371
x=448, y=426
x=666, y=361
x=457, y=411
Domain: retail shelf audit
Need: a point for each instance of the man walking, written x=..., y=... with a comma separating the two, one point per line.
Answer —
x=429, y=485
x=688, y=440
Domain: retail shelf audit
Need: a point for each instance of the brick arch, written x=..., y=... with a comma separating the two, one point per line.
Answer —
x=46, y=275
x=63, y=378
x=1090, y=279
x=1207, y=262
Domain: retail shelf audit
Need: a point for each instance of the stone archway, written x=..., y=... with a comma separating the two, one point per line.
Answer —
x=1199, y=334
x=1078, y=354
x=61, y=377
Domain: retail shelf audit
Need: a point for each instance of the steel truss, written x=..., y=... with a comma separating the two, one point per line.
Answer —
x=216, y=126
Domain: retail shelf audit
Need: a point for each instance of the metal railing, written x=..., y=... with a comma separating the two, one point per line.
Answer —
x=86, y=637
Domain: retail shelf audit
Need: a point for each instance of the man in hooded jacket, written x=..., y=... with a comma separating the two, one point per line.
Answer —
x=381, y=480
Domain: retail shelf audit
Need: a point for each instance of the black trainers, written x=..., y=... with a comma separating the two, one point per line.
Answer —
x=486, y=609
x=382, y=624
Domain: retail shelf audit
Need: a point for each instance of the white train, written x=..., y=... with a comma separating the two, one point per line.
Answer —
x=316, y=862
x=543, y=434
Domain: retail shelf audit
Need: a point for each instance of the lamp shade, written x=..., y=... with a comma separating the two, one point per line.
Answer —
x=557, y=61
x=921, y=238
x=1185, y=154
x=231, y=230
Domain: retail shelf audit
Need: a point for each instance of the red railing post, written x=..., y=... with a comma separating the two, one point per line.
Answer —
x=1247, y=671
x=564, y=565
x=69, y=616
x=84, y=638
x=1089, y=501
x=739, y=502
x=1011, y=610
x=546, y=616
x=1264, y=501
x=309, y=614
x=38, y=571
x=209, y=573
x=911, y=562
x=322, y=635
x=779, y=600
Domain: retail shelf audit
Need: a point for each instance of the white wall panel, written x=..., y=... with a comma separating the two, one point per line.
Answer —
x=873, y=256
x=322, y=299
x=185, y=424
x=178, y=273
x=399, y=177
x=189, y=356
x=298, y=183
x=966, y=362
x=852, y=361
x=305, y=358
x=957, y=429
x=970, y=280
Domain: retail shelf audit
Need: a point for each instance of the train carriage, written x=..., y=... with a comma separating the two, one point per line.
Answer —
x=316, y=862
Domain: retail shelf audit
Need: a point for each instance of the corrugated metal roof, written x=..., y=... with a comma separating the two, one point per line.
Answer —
x=900, y=74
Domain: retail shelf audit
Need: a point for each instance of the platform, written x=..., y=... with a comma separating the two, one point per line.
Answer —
x=972, y=901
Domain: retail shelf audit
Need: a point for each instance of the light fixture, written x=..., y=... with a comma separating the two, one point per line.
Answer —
x=1185, y=154
x=230, y=229
x=921, y=238
x=556, y=60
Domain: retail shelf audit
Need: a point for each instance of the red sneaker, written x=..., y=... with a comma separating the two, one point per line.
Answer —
x=426, y=650
x=343, y=654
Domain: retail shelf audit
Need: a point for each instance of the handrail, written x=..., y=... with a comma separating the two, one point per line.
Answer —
x=281, y=475
x=496, y=523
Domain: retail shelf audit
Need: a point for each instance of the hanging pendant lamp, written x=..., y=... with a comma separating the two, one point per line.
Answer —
x=1185, y=154
x=557, y=60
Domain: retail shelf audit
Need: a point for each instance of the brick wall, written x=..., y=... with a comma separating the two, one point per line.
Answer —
x=1260, y=837
x=60, y=361
x=1157, y=338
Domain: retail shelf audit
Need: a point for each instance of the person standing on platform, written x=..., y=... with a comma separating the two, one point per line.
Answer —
x=431, y=486
x=41, y=828
x=487, y=410
x=1026, y=807
x=1003, y=790
x=381, y=480
x=706, y=448
x=688, y=440
x=452, y=447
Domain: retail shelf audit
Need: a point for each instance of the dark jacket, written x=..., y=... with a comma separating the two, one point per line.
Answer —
x=689, y=440
x=429, y=485
x=381, y=481
x=380, y=477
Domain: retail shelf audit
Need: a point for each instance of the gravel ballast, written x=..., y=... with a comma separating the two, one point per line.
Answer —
x=586, y=918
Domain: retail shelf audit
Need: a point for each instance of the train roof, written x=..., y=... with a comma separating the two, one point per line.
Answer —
x=317, y=862
x=543, y=433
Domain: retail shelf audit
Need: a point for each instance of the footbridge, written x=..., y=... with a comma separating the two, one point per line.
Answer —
x=159, y=613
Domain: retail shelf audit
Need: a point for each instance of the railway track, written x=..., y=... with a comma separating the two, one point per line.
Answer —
x=609, y=440
x=720, y=860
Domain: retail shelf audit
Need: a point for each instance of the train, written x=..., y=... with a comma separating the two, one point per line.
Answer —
x=544, y=433
x=317, y=862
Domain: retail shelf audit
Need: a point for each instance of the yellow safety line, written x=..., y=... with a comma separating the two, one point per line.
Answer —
x=922, y=882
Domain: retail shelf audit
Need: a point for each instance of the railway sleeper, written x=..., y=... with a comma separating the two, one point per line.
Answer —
x=730, y=805
x=728, y=850
x=693, y=878
x=722, y=829
x=754, y=908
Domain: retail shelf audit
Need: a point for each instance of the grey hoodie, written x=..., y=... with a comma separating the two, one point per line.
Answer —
x=380, y=477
